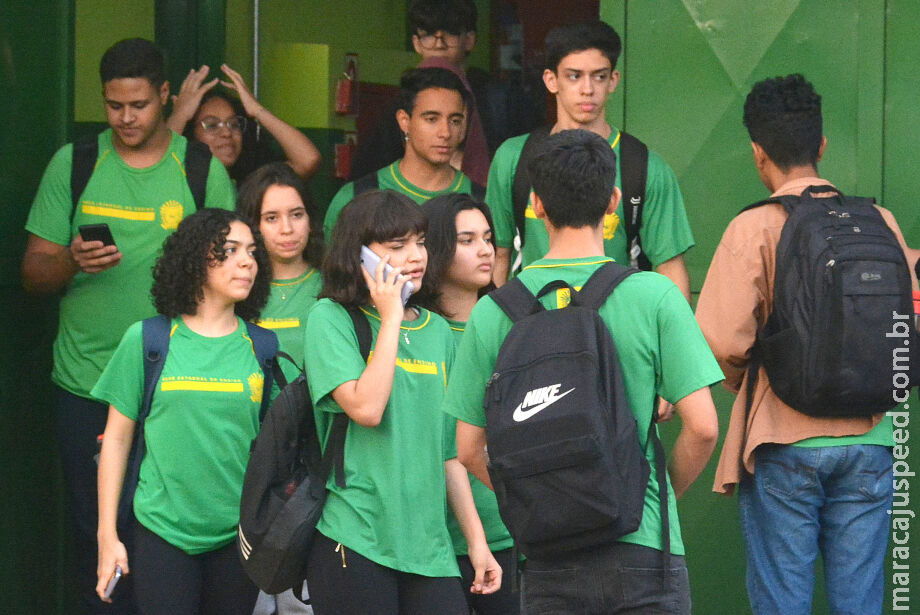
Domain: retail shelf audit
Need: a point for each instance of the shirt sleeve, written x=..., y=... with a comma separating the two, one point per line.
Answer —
x=665, y=230
x=730, y=308
x=219, y=192
x=473, y=365
x=331, y=353
x=49, y=217
x=122, y=381
x=499, y=192
x=345, y=194
x=687, y=363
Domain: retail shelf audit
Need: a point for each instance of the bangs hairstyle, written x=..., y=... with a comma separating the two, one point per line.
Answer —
x=574, y=173
x=375, y=215
x=415, y=80
x=783, y=116
x=181, y=271
x=581, y=36
x=133, y=58
x=441, y=242
x=252, y=193
x=249, y=154
x=451, y=16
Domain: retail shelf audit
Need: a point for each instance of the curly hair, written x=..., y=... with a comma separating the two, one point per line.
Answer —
x=783, y=116
x=252, y=192
x=181, y=271
x=441, y=242
x=250, y=154
x=375, y=215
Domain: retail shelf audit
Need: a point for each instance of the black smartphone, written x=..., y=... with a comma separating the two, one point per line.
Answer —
x=97, y=232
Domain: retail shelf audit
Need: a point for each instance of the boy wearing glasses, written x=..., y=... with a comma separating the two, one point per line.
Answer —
x=138, y=188
x=444, y=34
x=581, y=73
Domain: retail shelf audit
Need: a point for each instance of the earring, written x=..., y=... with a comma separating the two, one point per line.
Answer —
x=406, y=137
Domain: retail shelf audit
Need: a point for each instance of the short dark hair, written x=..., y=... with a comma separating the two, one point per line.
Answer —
x=441, y=241
x=581, y=36
x=133, y=57
x=252, y=192
x=783, y=116
x=453, y=16
x=417, y=79
x=574, y=173
x=375, y=215
x=181, y=270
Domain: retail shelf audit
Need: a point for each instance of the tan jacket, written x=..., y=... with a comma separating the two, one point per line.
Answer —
x=734, y=304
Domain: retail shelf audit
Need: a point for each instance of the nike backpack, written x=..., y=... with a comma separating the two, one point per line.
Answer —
x=832, y=341
x=284, y=488
x=565, y=458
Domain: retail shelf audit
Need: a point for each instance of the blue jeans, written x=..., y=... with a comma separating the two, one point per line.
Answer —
x=617, y=578
x=804, y=500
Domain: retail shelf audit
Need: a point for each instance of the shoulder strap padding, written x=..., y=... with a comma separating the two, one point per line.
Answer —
x=521, y=186
x=85, y=154
x=197, y=165
x=477, y=191
x=634, y=171
x=265, y=347
x=601, y=284
x=366, y=183
x=514, y=299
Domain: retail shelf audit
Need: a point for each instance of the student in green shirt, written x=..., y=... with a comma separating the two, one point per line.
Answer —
x=661, y=352
x=276, y=201
x=204, y=415
x=461, y=256
x=382, y=544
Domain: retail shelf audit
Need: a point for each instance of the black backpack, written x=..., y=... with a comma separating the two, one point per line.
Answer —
x=285, y=484
x=633, y=175
x=85, y=153
x=565, y=460
x=840, y=276
x=155, y=333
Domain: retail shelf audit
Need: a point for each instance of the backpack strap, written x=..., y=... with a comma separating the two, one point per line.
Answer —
x=521, y=186
x=477, y=191
x=265, y=347
x=85, y=154
x=366, y=183
x=197, y=165
x=634, y=174
x=155, y=335
x=601, y=284
x=515, y=300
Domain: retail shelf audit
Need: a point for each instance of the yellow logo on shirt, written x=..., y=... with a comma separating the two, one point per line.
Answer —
x=611, y=223
x=170, y=214
x=256, y=384
x=529, y=212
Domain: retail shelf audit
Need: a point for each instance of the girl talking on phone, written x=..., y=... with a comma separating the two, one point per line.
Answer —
x=382, y=544
x=212, y=275
x=461, y=256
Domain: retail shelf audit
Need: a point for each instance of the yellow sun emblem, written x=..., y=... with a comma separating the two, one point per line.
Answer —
x=170, y=214
x=611, y=222
x=256, y=384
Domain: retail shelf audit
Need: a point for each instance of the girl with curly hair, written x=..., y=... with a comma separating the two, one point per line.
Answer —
x=213, y=274
x=382, y=544
x=461, y=256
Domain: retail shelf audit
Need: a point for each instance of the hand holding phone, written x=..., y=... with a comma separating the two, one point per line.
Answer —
x=95, y=260
x=370, y=260
x=107, y=594
x=97, y=232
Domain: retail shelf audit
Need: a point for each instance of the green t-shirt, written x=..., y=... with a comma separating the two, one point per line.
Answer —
x=665, y=230
x=142, y=207
x=660, y=347
x=882, y=434
x=392, y=510
x=389, y=178
x=203, y=418
x=286, y=313
x=486, y=505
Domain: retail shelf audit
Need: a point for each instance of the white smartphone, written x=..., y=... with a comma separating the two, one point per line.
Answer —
x=370, y=260
x=112, y=582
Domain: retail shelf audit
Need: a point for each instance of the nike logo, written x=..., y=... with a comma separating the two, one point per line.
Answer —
x=537, y=400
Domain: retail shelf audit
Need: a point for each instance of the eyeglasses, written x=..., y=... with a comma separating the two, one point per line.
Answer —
x=237, y=123
x=430, y=41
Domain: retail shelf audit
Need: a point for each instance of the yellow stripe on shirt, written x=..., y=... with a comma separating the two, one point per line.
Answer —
x=181, y=384
x=89, y=207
